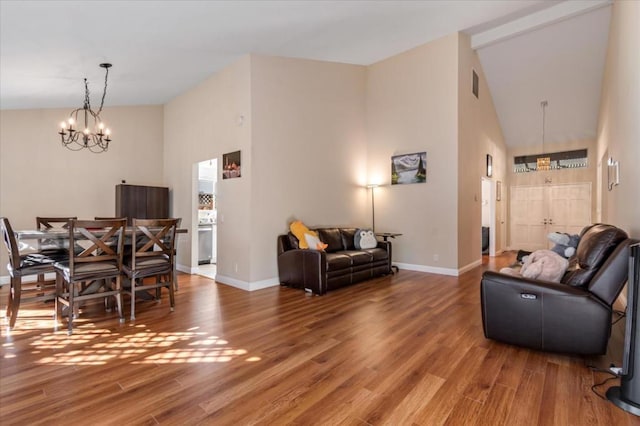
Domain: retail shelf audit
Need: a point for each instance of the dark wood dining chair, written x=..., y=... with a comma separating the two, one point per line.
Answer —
x=50, y=247
x=32, y=264
x=152, y=255
x=93, y=272
x=53, y=222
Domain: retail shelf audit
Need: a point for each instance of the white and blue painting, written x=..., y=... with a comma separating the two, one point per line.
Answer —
x=409, y=168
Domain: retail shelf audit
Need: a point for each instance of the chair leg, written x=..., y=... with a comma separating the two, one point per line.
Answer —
x=16, y=293
x=119, y=298
x=72, y=290
x=59, y=292
x=9, y=300
x=108, y=306
x=158, y=288
x=133, y=298
x=172, y=284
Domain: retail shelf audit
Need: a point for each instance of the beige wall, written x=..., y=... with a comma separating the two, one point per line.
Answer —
x=309, y=152
x=479, y=134
x=202, y=124
x=412, y=107
x=421, y=100
x=39, y=177
x=303, y=156
x=619, y=123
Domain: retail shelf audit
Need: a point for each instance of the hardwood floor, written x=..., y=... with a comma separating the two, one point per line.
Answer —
x=398, y=350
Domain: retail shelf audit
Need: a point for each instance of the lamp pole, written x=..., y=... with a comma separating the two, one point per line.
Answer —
x=373, y=186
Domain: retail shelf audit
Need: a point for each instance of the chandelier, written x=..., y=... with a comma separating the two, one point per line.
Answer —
x=543, y=162
x=95, y=139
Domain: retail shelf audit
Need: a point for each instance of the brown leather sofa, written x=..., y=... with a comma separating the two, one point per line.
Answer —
x=573, y=316
x=339, y=265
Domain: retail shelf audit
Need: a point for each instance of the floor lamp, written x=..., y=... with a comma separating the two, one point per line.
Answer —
x=372, y=187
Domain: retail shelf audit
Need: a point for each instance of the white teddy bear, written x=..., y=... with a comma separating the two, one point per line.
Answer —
x=544, y=265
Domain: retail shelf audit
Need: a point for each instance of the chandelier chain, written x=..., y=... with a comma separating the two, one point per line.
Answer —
x=94, y=138
x=104, y=93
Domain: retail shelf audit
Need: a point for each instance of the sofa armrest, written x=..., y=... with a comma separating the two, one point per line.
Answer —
x=386, y=245
x=303, y=269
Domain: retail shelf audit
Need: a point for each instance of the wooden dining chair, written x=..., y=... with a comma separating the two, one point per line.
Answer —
x=53, y=222
x=93, y=272
x=49, y=247
x=152, y=255
x=32, y=264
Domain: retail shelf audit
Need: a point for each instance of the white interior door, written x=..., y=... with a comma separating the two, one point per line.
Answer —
x=528, y=212
x=569, y=207
x=539, y=210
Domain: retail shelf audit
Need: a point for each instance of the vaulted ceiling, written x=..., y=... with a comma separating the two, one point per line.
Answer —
x=159, y=49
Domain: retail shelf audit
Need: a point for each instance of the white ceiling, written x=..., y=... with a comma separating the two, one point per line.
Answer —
x=160, y=49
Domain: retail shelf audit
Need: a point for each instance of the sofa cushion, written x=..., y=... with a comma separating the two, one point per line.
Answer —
x=331, y=237
x=348, y=235
x=293, y=241
x=358, y=257
x=337, y=261
x=378, y=253
x=596, y=244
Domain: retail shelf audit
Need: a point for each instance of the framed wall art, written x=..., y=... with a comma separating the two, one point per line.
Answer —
x=231, y=165
x=409, y=168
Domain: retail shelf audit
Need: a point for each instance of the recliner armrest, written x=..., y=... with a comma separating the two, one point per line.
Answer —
x=527, y=284
x=543, y=315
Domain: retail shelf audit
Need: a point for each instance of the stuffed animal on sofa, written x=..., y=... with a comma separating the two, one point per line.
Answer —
x=364, y=239
x=545, y=265
x=566, y=244
x=306, y=237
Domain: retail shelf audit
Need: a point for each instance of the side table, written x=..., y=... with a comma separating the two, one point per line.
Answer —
x=385, y=237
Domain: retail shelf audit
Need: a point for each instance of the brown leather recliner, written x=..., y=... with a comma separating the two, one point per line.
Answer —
x=573, y=316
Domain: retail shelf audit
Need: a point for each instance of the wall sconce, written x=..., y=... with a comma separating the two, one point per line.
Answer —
x=613, y=173
x=489, y=165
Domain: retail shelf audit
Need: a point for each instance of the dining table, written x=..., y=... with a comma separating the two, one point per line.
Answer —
x=31, y=240
x=61, y=234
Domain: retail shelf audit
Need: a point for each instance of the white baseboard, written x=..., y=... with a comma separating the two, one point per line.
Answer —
x=425, y=268
x=245, y=285
x=470, y=266
x=186, y=269
x=437, y=270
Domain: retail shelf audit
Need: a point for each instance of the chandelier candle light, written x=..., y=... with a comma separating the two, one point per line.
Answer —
x=75, y=138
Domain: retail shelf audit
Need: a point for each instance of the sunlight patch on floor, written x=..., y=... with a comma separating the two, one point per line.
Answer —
x=98, y=347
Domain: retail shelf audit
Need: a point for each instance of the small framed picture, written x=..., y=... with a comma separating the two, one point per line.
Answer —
x=489, y=165
x=231, y=165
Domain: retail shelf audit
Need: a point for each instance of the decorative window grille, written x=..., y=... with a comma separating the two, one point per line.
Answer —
x=554, y=161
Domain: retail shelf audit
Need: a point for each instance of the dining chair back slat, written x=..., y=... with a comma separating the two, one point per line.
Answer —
x=95, y=265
